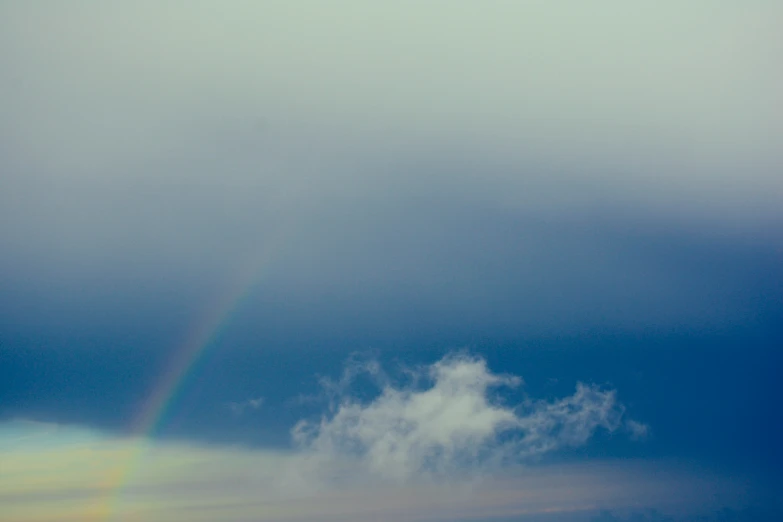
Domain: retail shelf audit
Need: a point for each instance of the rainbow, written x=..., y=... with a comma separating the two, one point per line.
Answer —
x=155, y=409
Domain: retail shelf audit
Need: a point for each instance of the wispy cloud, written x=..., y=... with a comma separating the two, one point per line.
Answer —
x=238, y=408
x=637, y=429
x=725, y=514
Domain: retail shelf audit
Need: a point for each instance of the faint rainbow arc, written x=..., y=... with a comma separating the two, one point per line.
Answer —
x=165, y=391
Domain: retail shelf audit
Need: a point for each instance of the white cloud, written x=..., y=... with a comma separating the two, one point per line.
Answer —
x=452, y=426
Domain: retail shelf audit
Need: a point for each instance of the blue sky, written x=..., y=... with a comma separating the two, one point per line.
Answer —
x=488, y=261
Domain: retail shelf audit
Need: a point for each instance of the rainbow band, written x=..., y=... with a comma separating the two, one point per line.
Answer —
x=171, y=382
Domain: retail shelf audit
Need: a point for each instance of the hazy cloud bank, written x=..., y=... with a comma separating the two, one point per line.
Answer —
x=441, y=159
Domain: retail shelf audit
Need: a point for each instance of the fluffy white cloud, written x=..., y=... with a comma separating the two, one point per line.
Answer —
x=453, y=425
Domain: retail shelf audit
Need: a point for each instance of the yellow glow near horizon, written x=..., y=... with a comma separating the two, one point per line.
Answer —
x=67, y=474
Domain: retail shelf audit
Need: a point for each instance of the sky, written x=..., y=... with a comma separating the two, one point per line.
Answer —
x=444, y=260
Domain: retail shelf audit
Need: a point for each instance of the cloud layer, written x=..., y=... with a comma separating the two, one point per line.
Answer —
x=439, y=159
